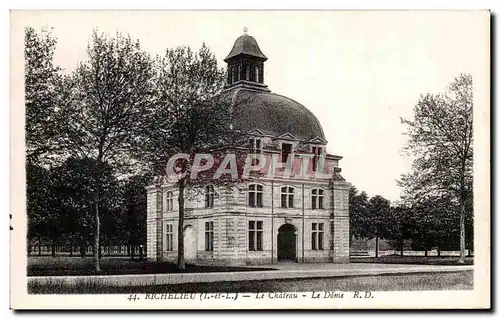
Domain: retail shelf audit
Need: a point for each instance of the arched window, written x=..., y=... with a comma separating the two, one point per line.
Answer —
x=169, y=205
x=209, y=196
x=247, y=72
x=317, y=198
x=286, y=197
x=255, y=192
x=257, y=74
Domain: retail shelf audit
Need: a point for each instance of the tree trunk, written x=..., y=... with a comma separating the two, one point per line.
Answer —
x=181, y=263
x=425, y=253
x=83, y=248
x=96, y=237
x=462, y=213
x=376, y=246
x=439, y=252
x=402, y=246
x=462, y=231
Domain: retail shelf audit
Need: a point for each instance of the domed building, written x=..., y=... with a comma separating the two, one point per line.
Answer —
x=271, y=218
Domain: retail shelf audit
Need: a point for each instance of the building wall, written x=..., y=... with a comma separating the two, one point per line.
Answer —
x=231, y=215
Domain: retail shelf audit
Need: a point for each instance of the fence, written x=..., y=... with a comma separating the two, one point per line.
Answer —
x=64, y=250
x=371, y=253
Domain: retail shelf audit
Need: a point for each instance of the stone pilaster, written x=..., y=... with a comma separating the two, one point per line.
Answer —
x=159, y=224
x=339, y=223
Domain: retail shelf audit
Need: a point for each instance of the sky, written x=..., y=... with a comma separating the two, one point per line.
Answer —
x=357, y=71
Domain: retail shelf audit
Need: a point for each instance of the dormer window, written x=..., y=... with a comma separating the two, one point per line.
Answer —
x=256, y=145
x=317, y=152
x=209, y=196
x=286, y=149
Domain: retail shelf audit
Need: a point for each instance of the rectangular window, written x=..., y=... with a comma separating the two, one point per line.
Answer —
x=317, y=197
x=169, y=238
x=170, y=201
x=209, y=236
x=287, y=197
x=317, y=236
x=255, y=231
x=255, y=193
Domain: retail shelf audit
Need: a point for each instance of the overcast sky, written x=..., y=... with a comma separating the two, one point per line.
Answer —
x=359, y=72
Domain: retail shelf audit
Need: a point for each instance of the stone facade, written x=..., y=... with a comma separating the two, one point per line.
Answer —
x=231, y=217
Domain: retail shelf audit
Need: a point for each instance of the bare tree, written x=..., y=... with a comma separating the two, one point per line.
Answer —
x=441, y=139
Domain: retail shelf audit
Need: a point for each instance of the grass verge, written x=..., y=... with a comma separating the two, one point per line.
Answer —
x=394, y=282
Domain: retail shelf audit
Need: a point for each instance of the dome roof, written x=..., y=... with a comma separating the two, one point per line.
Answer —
x=273, y=114
x=247, y=45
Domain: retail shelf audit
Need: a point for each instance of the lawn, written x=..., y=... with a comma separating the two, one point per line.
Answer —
x=416, y=260
x=75, y=266
x=397, y=282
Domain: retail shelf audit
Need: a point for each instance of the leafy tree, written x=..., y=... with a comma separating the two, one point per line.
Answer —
x=358, y=214
x=41, y=79
x=380, y=219
x=104, y=110
x=189, y=116
x=41, y=216
x=75, y=184
x=403, y=228
x=440, y=138
x=135, y=206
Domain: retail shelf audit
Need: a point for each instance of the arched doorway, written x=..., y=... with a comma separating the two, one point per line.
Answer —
x=189, y=242
x=287, y=243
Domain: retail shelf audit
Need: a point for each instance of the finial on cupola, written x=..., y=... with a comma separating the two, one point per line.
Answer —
x=245, y=30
